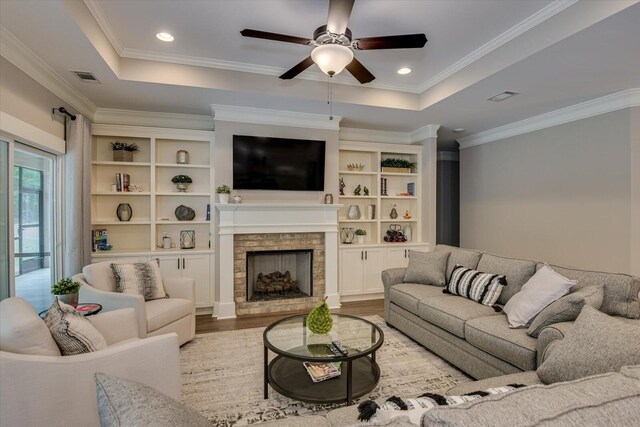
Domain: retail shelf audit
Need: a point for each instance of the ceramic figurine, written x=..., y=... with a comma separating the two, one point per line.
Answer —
x=341, y=187
x=366, y=191
x=406, y=215
x=394, y=212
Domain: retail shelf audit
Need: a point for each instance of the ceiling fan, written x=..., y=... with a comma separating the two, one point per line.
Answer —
x=333, y=51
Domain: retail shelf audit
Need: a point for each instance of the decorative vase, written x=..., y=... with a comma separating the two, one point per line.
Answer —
x=182, y=187
x=187, y=239
x=360, y=239
x=223, y=197
x=407, y=232
x=328, y=199
x=185, y=213
x=354, y=212
x=182, y=157
x=371, y=212
x=122, y=156
x=237, y=199
x=71, y=299
x=394, y=213
x=124, y=212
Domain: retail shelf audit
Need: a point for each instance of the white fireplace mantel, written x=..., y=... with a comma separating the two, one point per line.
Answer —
x=255, y=218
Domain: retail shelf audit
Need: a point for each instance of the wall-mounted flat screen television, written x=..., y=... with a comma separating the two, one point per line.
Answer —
x=261, y=163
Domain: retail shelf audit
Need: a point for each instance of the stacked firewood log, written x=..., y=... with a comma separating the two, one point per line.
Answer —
x=275, y=282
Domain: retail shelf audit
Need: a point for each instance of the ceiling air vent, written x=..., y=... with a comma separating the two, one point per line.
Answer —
x=502, y=96
x=86, y=76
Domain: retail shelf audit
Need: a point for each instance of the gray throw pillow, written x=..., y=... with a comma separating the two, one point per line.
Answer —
x=73, y=333
x=128, y=403
x=596, y=343
x=567, y=308
x=427, y=268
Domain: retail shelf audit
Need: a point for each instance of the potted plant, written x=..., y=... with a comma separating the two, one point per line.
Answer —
x=182, y=182
x=397, y=165
x=223, y=193
x=66, y=290
x=123, y=152
x=360, y=235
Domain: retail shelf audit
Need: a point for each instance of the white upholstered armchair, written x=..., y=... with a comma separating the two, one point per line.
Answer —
x=40, y=387
x=177, y=313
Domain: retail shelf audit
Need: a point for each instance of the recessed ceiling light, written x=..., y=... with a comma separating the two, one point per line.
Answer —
x=404, y=70
x=458, y=130
x=165, y=37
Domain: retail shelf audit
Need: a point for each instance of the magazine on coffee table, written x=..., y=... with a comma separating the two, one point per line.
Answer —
x=322, y=371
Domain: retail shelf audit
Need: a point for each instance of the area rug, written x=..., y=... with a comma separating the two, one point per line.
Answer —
x=222, y=376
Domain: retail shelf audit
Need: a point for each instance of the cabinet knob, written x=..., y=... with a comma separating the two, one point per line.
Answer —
x=361, y=255
x=365, y=254
x=178, y=263
x=183, y=263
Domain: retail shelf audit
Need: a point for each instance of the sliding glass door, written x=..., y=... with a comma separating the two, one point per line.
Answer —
x=34, y=201
x=5, y=270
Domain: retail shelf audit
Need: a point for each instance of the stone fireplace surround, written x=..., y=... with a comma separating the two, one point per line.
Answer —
x=273, y=226
x=242, y=243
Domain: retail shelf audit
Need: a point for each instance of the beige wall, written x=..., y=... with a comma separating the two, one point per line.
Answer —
x=562, y=194
x=24, y=98
x=224, y=160
x=635, y=190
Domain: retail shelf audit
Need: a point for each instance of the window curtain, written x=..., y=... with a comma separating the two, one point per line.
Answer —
x=76, y=190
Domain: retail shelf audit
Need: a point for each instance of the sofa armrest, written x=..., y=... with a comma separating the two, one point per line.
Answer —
x=180, y=287
x=115, y=301
x=35, y=387
x=548, y=337
x=116, y=325
x=392, y=276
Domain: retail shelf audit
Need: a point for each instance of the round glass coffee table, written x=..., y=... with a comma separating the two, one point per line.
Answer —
x=294, y=344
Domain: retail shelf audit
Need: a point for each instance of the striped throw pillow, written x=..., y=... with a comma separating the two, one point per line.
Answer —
x=73, y=333
x=140, y=278
x=484, y=288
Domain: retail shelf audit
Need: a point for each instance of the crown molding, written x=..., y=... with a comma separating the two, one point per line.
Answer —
x=22, y=57
x=153, y=119
x=425, y=132
x=227, y=113
x=513, y=32
x=98, y=15
x=606, y=104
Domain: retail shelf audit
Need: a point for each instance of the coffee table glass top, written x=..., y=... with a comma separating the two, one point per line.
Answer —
x=290, y=336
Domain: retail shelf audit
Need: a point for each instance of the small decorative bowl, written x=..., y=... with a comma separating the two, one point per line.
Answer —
x=355, y=166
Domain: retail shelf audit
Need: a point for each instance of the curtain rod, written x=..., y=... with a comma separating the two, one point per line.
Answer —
x=63, y=110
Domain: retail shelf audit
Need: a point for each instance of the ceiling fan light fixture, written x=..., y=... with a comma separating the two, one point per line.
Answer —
x=332, y=58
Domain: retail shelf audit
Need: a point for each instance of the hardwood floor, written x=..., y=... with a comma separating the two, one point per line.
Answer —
x=206, y=323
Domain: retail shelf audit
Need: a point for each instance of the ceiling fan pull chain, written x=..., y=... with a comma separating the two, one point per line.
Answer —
x=330, y=99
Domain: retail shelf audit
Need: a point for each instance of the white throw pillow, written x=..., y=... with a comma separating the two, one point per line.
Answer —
x=541, y=289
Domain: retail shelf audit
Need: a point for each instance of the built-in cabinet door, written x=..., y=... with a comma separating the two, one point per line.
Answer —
x=351, y=279
x=374, y=264
x=197, y=267
x=397, y=257
x=170, y=266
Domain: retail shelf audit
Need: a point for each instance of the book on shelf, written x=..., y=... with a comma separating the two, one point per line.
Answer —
x=208, y=212
x=99, y=239
x=322, y=371
x=411, y=188
x=122, y=181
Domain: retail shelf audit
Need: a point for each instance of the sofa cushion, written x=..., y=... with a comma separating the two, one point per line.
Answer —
x=22, y=331
x=526, y=378
x=605, y=400
x=408, y=295
x=127, y=403
x=493, y=335
x=542, y=289
x=631, y=371
x=161, y=312
x=478, y=286
x=567, y=308
x=450, y=312
x=100, y=276
x=595, y=344
x=620, y=290
x=73, y=333
x=427, y=268
x=517, y=272
x=457, y=256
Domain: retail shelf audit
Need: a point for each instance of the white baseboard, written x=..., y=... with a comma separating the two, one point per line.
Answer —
x=224, y=310
x=366, y=297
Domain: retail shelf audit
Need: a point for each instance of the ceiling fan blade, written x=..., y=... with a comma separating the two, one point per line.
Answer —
x=407, y=41
x=303, y=65
x=339, y=13
x=275, y=36
x=359, y=71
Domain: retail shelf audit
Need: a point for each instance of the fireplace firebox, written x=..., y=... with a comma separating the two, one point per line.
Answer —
x=279, y=274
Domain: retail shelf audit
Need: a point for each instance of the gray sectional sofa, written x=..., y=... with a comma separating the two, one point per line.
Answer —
x=476, y=338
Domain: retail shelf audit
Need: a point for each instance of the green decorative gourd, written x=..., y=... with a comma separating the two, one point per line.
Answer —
x=319, y=321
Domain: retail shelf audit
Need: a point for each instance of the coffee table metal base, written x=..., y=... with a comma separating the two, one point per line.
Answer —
x=290, y=378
